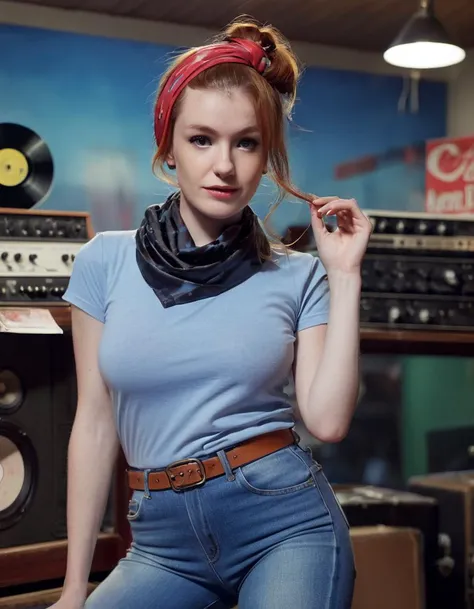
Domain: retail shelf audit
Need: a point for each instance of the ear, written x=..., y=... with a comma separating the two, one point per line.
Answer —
x=170, y=160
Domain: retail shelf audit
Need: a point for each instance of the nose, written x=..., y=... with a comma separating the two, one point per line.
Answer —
x=223, y=163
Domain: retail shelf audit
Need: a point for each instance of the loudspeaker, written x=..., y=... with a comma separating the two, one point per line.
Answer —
x=37, y=405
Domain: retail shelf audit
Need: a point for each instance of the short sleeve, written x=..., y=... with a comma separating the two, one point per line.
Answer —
x=87, y=283
x=314, y=308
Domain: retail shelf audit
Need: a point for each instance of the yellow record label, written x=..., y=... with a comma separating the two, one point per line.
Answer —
x=13, y=167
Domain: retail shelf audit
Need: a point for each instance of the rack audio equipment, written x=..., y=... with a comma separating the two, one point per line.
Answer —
x=37, y=252
x=418, y=272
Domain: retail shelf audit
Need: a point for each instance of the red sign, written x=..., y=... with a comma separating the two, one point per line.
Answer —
x=450, y=176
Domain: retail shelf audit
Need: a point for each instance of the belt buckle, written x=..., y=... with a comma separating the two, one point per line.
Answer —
x=183, y=487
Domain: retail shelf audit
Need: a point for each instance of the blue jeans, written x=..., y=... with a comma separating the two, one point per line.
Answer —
x=268, y=535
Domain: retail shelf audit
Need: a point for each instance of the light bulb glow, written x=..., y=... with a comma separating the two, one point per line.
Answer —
x=424, y=55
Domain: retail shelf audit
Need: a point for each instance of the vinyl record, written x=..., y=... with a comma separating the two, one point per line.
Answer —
x=18, y=473
x=26, y=167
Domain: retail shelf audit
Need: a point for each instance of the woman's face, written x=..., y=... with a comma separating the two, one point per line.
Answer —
x=217, y=151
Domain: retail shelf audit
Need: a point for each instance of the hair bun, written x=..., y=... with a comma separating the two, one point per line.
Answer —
x=283, y=72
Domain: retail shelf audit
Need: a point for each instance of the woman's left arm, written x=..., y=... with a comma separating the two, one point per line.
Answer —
x=327, y=357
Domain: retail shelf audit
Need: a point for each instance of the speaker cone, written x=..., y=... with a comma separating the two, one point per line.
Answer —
x=18, y=474
x=11, y=392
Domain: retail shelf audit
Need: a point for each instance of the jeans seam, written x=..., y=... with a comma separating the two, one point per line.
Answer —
x=336, y=545
x=212, y=604
x=310, y=467
x=325, y=503
x=209, y=562
x=243, y=482
x=336, y=501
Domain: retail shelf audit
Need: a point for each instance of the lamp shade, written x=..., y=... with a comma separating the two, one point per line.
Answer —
x=423, y=43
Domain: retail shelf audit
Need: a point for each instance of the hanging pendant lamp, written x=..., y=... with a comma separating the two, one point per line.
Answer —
x=424, y=43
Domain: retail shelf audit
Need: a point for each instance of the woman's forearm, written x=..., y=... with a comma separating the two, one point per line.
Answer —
x=334, y=389
x=92, y=455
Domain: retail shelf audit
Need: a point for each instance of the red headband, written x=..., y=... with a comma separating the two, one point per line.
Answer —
x=239, y=50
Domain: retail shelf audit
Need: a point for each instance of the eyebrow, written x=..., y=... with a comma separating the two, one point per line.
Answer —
x=210, y=130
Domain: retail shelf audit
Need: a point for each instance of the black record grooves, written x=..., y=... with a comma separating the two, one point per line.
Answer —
x=26, y=167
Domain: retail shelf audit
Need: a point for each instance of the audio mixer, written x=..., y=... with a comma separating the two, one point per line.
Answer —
x=37, y=252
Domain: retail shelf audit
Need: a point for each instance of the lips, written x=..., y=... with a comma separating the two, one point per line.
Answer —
x=221, y=188
x=221, y=192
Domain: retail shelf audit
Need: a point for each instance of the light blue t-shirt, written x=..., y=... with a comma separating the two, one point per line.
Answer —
x=194, y=378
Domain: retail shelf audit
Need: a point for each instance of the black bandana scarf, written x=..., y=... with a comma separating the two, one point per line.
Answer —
x=178, y=271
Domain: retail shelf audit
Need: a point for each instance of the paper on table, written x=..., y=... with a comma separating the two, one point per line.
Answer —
x=28, y=321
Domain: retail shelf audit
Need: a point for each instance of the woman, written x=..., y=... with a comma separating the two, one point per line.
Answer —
x=185, y=333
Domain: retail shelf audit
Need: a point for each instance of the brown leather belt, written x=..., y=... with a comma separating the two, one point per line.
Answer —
x=189, y=473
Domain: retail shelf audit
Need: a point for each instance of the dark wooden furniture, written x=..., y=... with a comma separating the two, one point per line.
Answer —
x=42, y=562
x=417, y=342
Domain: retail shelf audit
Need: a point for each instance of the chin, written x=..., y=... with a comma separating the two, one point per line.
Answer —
x=222, y=210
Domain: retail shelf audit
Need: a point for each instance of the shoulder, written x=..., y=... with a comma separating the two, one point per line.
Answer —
x=300, y=265
x=106, y=246
x=96, y=265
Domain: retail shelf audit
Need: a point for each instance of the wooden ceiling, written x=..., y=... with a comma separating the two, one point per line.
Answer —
x=368, y=25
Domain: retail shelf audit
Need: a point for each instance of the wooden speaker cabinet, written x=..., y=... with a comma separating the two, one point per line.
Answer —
x=37, y=407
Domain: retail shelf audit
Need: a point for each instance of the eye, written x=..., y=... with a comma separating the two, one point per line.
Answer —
x=248, y=144
x=200, y=140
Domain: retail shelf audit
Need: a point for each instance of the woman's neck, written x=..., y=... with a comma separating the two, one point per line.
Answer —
x=203, y=229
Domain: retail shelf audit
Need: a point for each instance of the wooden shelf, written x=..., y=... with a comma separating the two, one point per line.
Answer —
x=32, y=599
x=62, y=316
x=417, y=342
x=47, y=561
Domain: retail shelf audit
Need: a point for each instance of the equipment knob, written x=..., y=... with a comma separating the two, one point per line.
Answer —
x=400, y=226
x=20, y=228
x=394, y=314
x=441, y=228
x=424, y=316
x=422, y=227
x=4, y=256
x=382, y=225
x=450, y=277
x=32, y=257
x=65, y=257
x=17, y=257
x=35, y=228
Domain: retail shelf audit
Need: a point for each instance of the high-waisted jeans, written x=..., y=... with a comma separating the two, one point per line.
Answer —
x=268, y=535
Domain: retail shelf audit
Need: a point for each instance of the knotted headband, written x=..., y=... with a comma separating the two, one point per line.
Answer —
x=235, y=50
